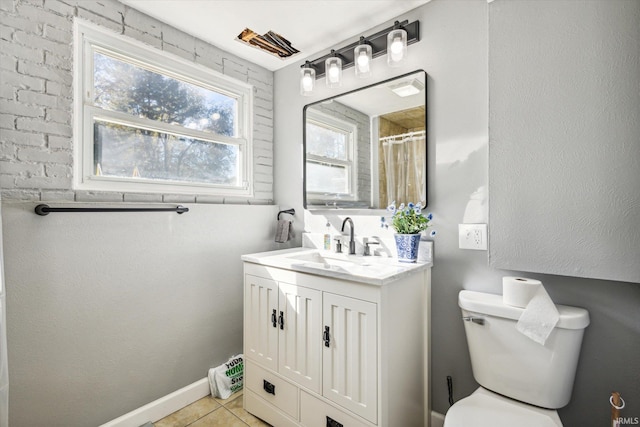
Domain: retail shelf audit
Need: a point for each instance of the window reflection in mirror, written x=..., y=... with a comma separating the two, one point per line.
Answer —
x=367, y=148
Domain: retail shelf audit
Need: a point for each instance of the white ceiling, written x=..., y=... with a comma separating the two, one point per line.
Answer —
x=311, y=26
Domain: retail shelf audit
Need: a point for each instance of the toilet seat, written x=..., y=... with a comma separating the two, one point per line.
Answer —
x=485, y=408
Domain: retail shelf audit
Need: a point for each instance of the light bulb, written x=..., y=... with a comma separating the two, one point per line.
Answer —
x=396, y=49
x=334, y=72
x=307, y=82
x=363, y=61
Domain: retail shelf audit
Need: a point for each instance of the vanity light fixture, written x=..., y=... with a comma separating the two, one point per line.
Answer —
x=363, y=55
x=333, y=67
x=392, y=41
x=307, y=79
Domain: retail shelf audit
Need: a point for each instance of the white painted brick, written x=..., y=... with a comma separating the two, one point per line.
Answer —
x=28, y=154
x=38, y=3
x=38, y=70
x=178, y=198
x=37, y=98
x=41, y=16
x=58, y=116
x=21, y=23
x=7, y=181
x=35, y=125
x=178, y=38
x=52, y=33
x=43, y=42
x=6, y=91
x=99, y=196
x=190, y=55
x=57, y=196
x=6, y=33
x=22, y=138
x=8, y=5
x=7, y=121
x=8, y=63
x=209, y=199
x=63, y=62
x=43, y=182
x=21, y=52
x=30, y=195
x=59, y=7
x=22, y=81
x=236, y=201
x=59, y=142
x=233, y=69
x=146, y=38
x=19, y=108
x=142, y=23
x=142, y=198
x=109, y=9
x=57, y=171
x=19, y=168
x=209, y=56
x=98, y=19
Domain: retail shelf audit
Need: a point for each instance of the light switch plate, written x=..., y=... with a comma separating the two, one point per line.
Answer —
x=472, y=236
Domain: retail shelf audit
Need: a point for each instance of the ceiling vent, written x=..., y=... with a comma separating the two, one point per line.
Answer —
x=271, y=42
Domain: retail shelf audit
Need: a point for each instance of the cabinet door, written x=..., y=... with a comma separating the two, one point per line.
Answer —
x=301, y=335
x=350, y=362
x=260, y=330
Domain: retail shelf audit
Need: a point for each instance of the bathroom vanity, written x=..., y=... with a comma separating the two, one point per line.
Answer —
x=335, y=340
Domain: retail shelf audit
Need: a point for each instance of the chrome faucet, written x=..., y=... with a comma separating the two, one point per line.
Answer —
x=352, y=242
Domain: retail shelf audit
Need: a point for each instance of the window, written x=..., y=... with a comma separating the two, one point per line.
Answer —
x=330, y=154
x=147, y=121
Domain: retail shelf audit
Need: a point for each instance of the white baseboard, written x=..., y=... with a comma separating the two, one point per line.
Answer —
x=437, y=419
x=164, y=406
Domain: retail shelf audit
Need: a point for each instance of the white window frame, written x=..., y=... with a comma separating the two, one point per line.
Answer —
x=350, y=128
x=89, y=38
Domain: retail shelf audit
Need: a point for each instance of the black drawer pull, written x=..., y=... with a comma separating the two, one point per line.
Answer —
x=281, y=320
x=333, y=423
x=326, y=337
x=268, y=387
x=274, y=320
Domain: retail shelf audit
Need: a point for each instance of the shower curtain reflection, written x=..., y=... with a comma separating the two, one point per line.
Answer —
x=403, y=168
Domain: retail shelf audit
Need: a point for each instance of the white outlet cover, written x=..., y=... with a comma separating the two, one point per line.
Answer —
x=472, y=236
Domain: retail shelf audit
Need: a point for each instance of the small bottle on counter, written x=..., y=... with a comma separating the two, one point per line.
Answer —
x=327, y=238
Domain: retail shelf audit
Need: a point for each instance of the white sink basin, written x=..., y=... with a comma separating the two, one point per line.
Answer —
x=374, y=270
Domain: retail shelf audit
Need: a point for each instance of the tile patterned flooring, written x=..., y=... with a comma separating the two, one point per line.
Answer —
x=212, y=412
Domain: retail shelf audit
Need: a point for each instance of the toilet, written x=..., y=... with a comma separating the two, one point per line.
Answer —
x=522, y=383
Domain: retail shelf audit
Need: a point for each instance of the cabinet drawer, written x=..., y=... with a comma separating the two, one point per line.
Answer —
x=272, y=388
x=314, y=413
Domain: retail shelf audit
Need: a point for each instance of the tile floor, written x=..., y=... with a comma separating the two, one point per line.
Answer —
x=212, y=412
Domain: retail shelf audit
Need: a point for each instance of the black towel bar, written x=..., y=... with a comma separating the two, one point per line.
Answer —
x=287, y=211
x=43, y=210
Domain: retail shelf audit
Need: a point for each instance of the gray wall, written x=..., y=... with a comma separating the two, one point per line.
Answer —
x=108, y=312
x=453, y=52
x=565, y=137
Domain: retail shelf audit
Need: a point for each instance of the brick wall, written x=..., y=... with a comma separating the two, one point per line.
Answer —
x=36, y=97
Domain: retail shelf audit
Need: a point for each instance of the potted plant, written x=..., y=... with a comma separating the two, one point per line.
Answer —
x=408, y=222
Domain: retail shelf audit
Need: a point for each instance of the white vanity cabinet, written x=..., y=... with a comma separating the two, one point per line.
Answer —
x=322, y=351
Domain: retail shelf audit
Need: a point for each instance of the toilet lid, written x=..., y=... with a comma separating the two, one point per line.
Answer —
x=487, y=409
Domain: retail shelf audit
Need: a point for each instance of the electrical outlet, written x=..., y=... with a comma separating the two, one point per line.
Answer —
x=472, y=236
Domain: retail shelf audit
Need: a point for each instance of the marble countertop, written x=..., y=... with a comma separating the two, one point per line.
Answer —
x=373, y=270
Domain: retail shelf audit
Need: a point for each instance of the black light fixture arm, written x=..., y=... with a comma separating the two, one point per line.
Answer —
x=377, y=41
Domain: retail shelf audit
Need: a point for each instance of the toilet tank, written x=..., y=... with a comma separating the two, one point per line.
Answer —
x=507, y=362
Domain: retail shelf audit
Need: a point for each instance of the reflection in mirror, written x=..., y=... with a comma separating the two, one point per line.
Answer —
x=367, y=148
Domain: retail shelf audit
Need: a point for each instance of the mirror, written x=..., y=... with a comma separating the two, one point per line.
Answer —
x=366, y=148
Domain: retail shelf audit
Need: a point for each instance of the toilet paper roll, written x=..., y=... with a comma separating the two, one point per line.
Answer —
x=518, y=291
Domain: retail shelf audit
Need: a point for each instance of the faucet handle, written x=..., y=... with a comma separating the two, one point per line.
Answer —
x=367, y=250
